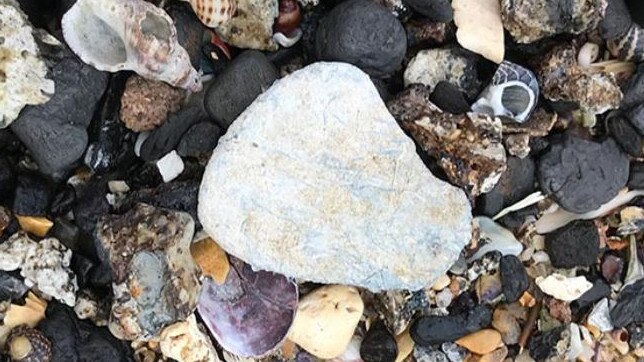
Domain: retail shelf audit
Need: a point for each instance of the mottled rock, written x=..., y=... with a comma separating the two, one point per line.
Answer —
x=362, y=33
x=434, y=10
x=252, y=25
x=81, y=340
x=626, y=135
x=424, y=33
x=468, y=147
x=422, y=354
x=32, y=195
x=616, y=20
x=56, y=132
x=11, y=287
x=146, y=103
x=576, y=244
x=177, y=195
x=430, y=330
x=629, y=305
x=513, y=277
x=184, y=341
x=543, y=345
x=581, y=175
x=453, y=65
x=531, y=20
x=251, y=313
x=324, y=196
x=515, y=183
x=155, y=278
x=199, y=140
x=246, y=77
x=378, y=345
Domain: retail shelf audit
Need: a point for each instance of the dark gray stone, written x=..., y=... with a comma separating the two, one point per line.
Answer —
x=246, y=77
x=581, y=175
x=629, y=305
x=616, y=21
x=515, y=183
x=165, y=138
x=378, y=345
x=636, y=116
x=634, y=91
x=636, y=176
x=199, y=140
x=576, y=244
x=430, y=330
x=63, y=201
x=56, y=132
x=543, y=345
x=32, y=196
x=435, y=10
x=11, y=286
x=189, y=30
x=600, y=290
x=450, y=98
x=626, y=135
x=7, y=178
x=363, y=33
x=514, y=278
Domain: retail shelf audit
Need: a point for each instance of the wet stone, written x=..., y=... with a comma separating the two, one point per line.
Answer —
x=91, y=205
x=63, y=201
x=429, y=330
x=626, y=135
x=576, y=244
x=199, y=140
x=378, y=345
x=32, y=195
x=629, y=305
x=636, y=116
x=434, y=10
x=543, y=345
x=362, y=33
x=581, y=175
x=514, y=278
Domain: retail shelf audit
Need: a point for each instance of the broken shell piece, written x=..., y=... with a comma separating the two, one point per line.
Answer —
x=599, y=317
x=30, y=314
x=588, y=53
x=562, y=287
x=251, y=313
x=405, y=345
x=184, y=341
x=513, y=93
x=213, y=13
x=480, y=28
x=26, y=344
x=629, y=46
x=36, y=225
x=495, y=237
x=212, y=259
x=288, y=41
x=252, y=25
x=114, y=35
x=481, y=342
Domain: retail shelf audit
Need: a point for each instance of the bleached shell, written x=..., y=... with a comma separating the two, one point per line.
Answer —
x=114, y=35
x=213, y=13
x=252, y=25
x=630, y=46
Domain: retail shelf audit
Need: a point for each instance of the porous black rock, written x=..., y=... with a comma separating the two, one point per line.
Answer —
x=515, y=183
x=32, y=196
x=378, y=345
x=576, y=244
x=435, y=10
x=636, y=116
x=543, y=345
x=91, y=205
x=363, y=33
x=629, y=305
x=626, y=135
x=56, y=131
x=514, y=278
x=111, y=144
x=246, y=77
x=581, y=175
x=428, y=330
x=616, y=21
x=600, y=290
x=75, y=340
x=165, y=138
x=449, y=98
x=634, y=90
x=199, y=140
x=11, y=286
x=636, y=176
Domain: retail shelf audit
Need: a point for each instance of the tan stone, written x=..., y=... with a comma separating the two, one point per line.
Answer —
x=36, y=225
x=30, y=314
x=442, y=282
x=480, y=28
x=185, y=342
x=405, y=345
x=481, y=342
x=326, y=319
x=212, y=259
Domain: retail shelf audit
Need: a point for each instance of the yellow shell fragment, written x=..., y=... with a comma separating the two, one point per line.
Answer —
x=36, y=225
x=481, y=342
x=480, y=28
x=30, y=314
x=405, y=345
x=212, y=259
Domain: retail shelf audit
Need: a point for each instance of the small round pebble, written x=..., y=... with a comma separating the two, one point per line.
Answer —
x=576, y=244
x=626, y=135
x=514, y=278
x=449, y=98
x=378, y=345
x=435, y=10
x=199, y=140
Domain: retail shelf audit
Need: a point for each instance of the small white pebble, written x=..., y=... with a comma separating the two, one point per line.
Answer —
x=170, y=166
x=588, y=54
x=444, y=298
x=540, y=257
x=118, y=187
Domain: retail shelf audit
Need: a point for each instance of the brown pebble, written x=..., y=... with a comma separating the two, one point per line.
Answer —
x=146, y=104
x=527, y=300
x=212, y=259
x=481, y=342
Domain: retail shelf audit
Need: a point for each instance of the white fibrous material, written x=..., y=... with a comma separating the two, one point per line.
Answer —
x=23, y=73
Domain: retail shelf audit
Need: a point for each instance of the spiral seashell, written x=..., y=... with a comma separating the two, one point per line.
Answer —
x=213, y=13
x=26, y=344
x=114, y=35
x=588, y=53
x=513, y=93
x=629, y=46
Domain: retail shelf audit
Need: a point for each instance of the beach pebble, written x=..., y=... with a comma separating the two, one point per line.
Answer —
x=184, y=341
x=251, y=26
x=378, y=345
x=435, y=10
x=212, y=259
x=449, y=98
x=514, y=278
x=481, y=342
x=562, y=287
x=170, y=166
x=432, y=66
x=634, y=91
x=626, y=135
x=199, y=140
x=326, y=319
x=515, y=183
x=506, y=323
x=599, y=290
x=576, y=244
x=32, y=195
x=616, y=20
x=11, y=286
x=629, y=305
x=543, y=345
x=428, y=330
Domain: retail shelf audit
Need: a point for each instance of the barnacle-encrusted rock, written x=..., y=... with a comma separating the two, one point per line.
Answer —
x=184, y=341
x=155, y=279
x=468, y=147
x=22, y=73
x=431, y=66
x=531, y=20
x=44, y=264
x=561, y=78
x=145, y=104
x=252, y=25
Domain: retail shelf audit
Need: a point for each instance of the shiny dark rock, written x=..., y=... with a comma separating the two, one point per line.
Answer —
x=428, y=330
x=77, y=340
x=7, y=178
x=600, y=290
x=378, y=345
x=576, y=244
x=515, y=183
x=581, y=175
x=199, y=140
x=636, y=116
x=143, y=176
x=67, y=233
x=11, y=286
x=543, y=344
x=435, y=10
x=449, y=98
x=32, y=196
x=246, y=77
x=362, y=33
x=514, y=278
x=91, y=205
x=629, y=305
x=63, y=201
x=626, y=135
x=636, y=176
x=82, y=268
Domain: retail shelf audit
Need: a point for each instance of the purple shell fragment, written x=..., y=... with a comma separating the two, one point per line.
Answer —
x=251, y=313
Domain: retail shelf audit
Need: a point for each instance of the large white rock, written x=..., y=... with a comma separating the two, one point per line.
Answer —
x=315, y=180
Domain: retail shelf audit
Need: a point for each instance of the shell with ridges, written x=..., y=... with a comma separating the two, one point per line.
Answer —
x=213, y=13
x=114, y=35
x=630, y=46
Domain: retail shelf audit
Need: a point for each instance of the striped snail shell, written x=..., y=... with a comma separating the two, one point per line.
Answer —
x=25, y=344
x=629, y=46
x=213, y=13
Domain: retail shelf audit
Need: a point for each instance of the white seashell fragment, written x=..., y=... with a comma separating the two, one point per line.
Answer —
x=480, y=28
x=599, y=317
x=286, y=41
x=170, y=166
x=498, y=238
x=114, y=35
x=635, y=270
x=562, y=287
x=213, y=13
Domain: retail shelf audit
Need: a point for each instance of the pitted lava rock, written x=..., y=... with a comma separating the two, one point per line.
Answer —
x=576, y=244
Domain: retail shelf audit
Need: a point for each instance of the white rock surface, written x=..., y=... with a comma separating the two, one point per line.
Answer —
x=316, y=180
x=562, y=287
